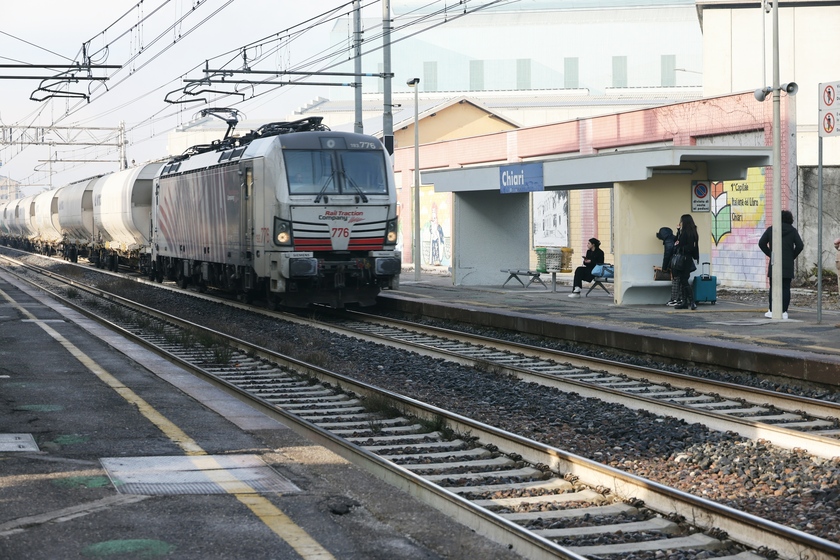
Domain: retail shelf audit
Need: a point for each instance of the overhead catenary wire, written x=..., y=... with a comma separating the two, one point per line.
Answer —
x=261, y=51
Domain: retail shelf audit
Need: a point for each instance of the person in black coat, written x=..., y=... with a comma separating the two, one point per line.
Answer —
x=688, y=244
x=594, y=255
x=666, y=235
x=791, y=247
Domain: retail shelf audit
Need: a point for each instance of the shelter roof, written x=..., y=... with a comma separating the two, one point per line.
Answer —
x=603, y=169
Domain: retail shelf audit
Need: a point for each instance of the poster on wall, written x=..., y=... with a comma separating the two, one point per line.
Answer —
x=737, y=222
x=551, y=219
x=435, y=228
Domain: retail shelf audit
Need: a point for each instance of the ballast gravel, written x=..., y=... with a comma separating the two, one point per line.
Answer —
x=791, y=488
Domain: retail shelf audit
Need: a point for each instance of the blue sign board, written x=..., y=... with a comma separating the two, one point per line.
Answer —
x=525, y=177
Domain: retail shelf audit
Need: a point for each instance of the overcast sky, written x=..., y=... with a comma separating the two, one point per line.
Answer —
x=53, y=31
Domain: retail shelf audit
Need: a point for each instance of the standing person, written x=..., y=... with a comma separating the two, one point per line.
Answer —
x=791, y=247
x=666, y=235
x=837, y=260
x=594, y=255
x=687, y=244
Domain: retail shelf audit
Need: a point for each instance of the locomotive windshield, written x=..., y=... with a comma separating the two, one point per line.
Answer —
x=326, y=172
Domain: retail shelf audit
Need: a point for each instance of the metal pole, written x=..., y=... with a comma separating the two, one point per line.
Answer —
x=358, y=127
x=416, y=181
x=819, y=226
x=387, y=113
x=123, y=156
x=776, y=240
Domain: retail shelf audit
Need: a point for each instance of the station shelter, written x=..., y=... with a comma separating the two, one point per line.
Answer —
x=658, y=164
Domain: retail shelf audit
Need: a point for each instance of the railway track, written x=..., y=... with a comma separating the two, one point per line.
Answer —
x=542, y=501
x=788, y=421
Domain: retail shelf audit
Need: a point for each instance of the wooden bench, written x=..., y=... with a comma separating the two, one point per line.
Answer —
x=533, y=277
x=600, y=281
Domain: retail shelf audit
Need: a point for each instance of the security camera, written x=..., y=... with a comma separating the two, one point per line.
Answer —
x=768, y=7
x=412, y=82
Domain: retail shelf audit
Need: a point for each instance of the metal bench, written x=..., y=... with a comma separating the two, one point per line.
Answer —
x=515, y=273
x=600, y=281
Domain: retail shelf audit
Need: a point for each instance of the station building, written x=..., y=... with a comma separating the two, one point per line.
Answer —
x=9, y=189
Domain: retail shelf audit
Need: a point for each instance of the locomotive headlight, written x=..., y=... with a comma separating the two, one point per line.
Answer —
x=391, y=232
x=282, y=232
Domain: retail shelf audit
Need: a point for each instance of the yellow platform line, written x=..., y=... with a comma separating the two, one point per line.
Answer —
x=268, y=513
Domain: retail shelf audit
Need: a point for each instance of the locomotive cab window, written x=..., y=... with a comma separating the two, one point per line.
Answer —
x=365, y=171
x=310, y=172
x=335, y=172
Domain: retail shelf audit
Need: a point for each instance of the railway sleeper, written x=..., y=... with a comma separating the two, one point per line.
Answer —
x=308, y=414
x=525, y=473
x=697, y=540
x=611, y=509
x=656, y=524
x=392, y=440
x=585, y=495
x=414, y=428
x=486, y=465
x=364, y=422
x=319, y=407
x=449, y=444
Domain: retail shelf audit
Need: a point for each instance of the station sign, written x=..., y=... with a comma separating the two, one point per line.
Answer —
x=701, y=196
x=524, y=177
x=829, y=109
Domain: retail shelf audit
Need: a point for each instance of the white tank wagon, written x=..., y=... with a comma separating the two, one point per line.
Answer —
x=122, y=205
x=20, y=222
x=293, y=213
x=75, y=218
x=46, y=238
x=8, y=232
x=6, y=213
x=4, y=221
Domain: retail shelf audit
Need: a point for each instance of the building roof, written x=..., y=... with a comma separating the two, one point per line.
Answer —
x=403, y=115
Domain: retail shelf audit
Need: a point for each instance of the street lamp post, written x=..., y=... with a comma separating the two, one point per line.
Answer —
x=776, y=218
x=776, y=249
x=415, y=83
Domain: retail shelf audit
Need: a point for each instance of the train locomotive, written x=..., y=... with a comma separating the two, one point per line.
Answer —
x=291, y=213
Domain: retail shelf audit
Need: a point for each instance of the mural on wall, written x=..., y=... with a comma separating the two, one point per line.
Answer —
x=435, y=228
x=551, y=218
x=738, y=209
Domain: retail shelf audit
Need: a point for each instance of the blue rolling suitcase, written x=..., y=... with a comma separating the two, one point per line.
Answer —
x=705, y=285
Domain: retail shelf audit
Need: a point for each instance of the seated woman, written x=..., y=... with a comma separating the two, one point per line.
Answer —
x=594, y=255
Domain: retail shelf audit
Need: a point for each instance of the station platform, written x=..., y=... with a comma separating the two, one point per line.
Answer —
x=108, y=451
x=731, y=333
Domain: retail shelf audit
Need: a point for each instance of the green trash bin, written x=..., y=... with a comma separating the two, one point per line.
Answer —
x=541, y=253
